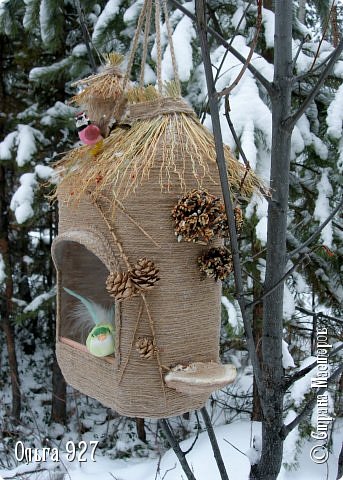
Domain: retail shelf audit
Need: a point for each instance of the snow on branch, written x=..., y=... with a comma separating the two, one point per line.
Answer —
x=308, y=242
x=287, y=359
x=334, y=121
x=22, y=200
x=110, y=11
x=51, y=20
x=268, y=21
x=233, y=313
x=57, y=69
x=25, y=138
x=290, y=121
x=322, y=208
x=259, y=76
x=57, y=113
x=7, y=145
x=26, y=141
x=38, y=301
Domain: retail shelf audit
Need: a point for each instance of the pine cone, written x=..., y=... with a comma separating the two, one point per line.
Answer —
x=216, y=263
x=144, y=274
x=198, y=216
x=145, y=347
x=120, y=286
x=224, y=227
x=238, y=219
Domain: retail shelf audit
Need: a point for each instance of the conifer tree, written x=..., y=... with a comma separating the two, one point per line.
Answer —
x=46, y=45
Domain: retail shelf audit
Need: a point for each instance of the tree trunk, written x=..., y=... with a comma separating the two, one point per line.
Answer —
x=7, y=303
x=256, y=415
x=257, y=330
x=140, y=426
x=269, y=4
x=59, y=387
x=272, y=444
x=13, y=364
x=302, y=11
x=340, y=465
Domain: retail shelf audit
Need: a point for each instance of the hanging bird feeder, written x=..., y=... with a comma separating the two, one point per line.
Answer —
x=135, y=218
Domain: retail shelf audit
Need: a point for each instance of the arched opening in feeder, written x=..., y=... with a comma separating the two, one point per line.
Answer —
x=83, y=301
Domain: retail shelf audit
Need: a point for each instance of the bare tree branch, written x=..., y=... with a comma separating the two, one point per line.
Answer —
x=205, y=104
x=305, y=39
x=202, y=28
x=176, y=447
x=277, y=284
x=323, y=35
x=301, y=77
x=85, y=35
x=301, y=259
x=317, y=231
x=232, y=445
x=214, y=443
x=234, y=134
x=29, y=472
x=169, y=470
x=261, y=78
x=286, y=429
x=301, y=373
x=197, y=435
x=229, y=89
x=318, y=314
x=291, y=121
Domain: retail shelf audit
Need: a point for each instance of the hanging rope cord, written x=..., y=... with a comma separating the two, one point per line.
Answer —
x=158, y=45
x=145, y=18
x=171, y=44
x=145, y=42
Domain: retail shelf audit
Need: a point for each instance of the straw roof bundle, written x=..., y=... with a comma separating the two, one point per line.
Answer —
x=127, y=156
x=102, y=94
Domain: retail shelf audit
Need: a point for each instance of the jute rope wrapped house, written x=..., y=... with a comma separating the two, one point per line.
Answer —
x=139, y=213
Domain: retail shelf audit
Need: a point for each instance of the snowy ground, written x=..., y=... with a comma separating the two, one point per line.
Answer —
x=120, y=455
x=200, y=459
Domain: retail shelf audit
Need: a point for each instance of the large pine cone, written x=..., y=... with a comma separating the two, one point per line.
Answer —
x=120, y=286
x=216, y=263
x=145, y=347
x=198, y=216
x=144, y=274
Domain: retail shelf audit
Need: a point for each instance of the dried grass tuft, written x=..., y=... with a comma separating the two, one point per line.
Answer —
x=102, y=96
x=142, y=94
x=172, y=89
x=113, y=58
x=103, y=86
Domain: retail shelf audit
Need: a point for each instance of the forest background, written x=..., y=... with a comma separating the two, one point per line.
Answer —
x=42, y=52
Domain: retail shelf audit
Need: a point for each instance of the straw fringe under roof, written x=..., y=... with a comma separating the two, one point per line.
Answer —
x=167, y=141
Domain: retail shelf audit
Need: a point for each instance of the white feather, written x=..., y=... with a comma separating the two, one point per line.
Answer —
x=85, y=314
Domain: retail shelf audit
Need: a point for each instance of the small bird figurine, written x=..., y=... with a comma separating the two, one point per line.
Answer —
x=89, y=133
x=100, y=341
